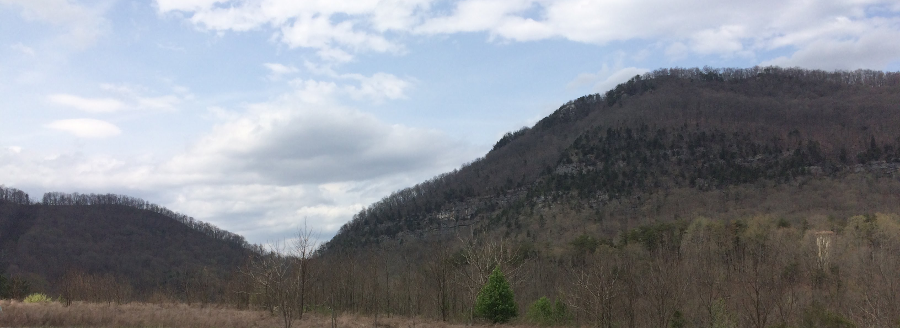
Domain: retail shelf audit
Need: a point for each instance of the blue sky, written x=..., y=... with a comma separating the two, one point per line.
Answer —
x=258, y=115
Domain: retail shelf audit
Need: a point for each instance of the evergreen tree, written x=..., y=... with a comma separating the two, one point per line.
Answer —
x=4, y=287
x=495, y=300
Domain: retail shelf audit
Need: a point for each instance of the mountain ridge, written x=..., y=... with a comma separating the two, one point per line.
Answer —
x=749, y=125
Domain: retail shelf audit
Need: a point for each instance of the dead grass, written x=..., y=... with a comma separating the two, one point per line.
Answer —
x=79, y=314
x=17, y=314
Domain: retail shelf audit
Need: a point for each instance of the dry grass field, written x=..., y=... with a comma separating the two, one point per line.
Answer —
x=79, y=314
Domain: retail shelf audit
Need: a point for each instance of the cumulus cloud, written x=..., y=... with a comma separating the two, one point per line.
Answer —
x=306, y=137
x=85, y=128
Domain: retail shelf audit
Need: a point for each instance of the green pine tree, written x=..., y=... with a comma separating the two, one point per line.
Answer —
x=4, y=287
x=495, y=301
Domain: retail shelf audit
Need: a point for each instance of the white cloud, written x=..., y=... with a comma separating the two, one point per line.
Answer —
x=320, y=32
x=185, y=5
x=85, y=128
x=724, y=40
x=607, y=78
x=91, y=105
x=378, y=87
x=23, y=49
x=168, y=102
x=397, y=15
x=125, y=97
x=278, y=211
x=303, y=156
x=677, y=50
x=339, y=29
x=276, y=71
x=81, y=25
x=334, y=55
x=280, y=69
x=842, y=44
x=320, y=25
x=868, y=51
x=476, y=16
x=524, y=29
x=74, y=171
x=306, y=137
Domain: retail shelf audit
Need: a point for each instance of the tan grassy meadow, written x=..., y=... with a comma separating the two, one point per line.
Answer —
x=81, y=314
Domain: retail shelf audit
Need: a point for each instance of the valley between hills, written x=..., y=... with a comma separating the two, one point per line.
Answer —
x=758, y=197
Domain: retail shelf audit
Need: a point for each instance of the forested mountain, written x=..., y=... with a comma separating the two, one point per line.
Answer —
x=113, y=247
x=671, y=144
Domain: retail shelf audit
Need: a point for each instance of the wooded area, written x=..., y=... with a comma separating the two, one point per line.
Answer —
x=666, y=129
x=751, y=272
x=111, y=248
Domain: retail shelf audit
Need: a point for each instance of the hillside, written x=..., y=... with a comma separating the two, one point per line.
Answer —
x=136, y=248
x=669, y=145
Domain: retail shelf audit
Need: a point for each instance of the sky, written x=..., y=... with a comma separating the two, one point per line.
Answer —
x=260, y=116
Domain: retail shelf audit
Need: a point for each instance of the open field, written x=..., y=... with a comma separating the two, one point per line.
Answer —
x=80, y=314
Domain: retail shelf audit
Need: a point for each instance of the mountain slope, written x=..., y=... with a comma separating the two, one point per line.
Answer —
x=674, y=143
x=143, y=249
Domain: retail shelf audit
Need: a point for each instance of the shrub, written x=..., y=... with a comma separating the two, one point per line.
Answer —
x=38, y=298
x=720, y=316
x=546, y=313
x=495, y=300
x=818, y=316
x=678, y=320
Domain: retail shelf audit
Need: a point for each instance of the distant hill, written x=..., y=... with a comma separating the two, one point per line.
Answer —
x=673, y=144
x=141, y=246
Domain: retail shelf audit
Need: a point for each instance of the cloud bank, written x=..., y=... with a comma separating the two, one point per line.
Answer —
x=339, y=29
